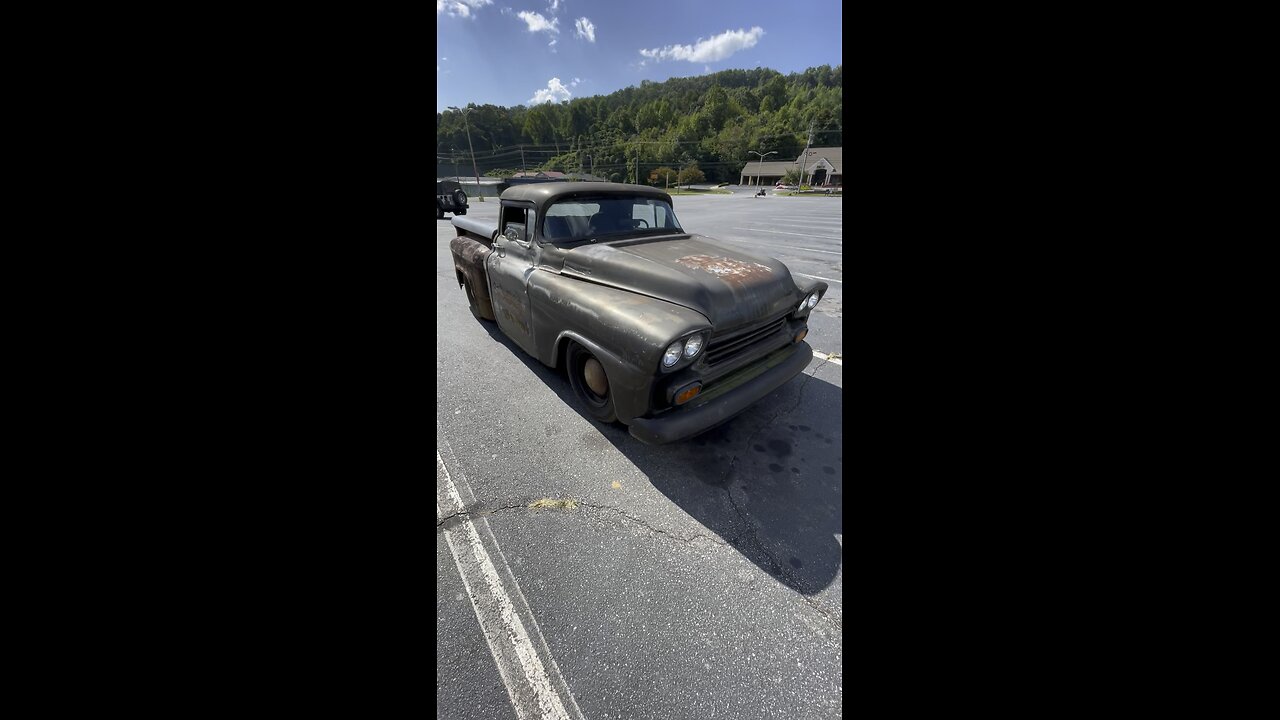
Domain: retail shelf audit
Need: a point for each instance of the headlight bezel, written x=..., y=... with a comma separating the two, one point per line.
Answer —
x=804, y=308
x=683, y=359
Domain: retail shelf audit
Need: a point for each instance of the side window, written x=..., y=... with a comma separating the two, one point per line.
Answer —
x=515, y=216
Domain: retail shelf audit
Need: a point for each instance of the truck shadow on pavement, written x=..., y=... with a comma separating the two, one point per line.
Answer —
x=768, y=482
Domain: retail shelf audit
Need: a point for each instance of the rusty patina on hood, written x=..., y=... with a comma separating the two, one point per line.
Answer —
x=730, y=287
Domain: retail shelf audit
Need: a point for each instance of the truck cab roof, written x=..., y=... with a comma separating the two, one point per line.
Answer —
x=544, y=194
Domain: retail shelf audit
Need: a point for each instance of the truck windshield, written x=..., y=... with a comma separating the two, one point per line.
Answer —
x=593, y=218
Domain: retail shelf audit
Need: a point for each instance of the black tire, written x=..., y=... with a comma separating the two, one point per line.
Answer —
x=439, y=213
x=460, y=198
x=597, y=406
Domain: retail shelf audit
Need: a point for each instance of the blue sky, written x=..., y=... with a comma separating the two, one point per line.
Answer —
x=517, y=52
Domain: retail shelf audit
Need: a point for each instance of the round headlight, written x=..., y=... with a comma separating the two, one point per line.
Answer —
x=692, y=346
x=813, y=300
x=672, y=355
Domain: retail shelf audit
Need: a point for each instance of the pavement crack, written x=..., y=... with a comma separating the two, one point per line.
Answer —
x=476, y=511
x=733, y=463
x=688, y=540
x=750, y=531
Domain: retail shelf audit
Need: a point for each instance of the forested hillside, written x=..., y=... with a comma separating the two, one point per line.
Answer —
x=711, y=120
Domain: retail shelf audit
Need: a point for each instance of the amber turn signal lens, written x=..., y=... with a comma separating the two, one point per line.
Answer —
x=800, y=335
x=688, y=394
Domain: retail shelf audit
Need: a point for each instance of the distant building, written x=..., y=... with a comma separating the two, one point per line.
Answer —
x=522, y=178
x=545, y=174
x=821, y=167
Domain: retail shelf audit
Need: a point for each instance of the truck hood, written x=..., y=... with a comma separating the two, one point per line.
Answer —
x=730, y=287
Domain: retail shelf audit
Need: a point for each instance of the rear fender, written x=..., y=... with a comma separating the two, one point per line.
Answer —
x=468, y=263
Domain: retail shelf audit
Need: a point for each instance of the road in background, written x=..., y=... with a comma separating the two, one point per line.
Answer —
x=701, y=579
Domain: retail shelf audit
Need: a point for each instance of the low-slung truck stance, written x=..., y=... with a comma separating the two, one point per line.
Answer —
x=669, y=332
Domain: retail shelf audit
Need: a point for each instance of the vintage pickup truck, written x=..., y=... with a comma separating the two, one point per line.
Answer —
x=668, y=332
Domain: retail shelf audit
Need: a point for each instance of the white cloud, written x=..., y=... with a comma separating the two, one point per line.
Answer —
x=554, y=5
x=460, y=8
x=555, y=91
x=585, y=29
x=552, y=45
x=712, y=49
x=574, y=82
x=537, y=23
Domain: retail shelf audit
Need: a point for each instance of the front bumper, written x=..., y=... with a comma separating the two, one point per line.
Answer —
x=727, y=400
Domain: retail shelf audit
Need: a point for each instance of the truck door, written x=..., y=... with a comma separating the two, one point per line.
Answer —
x=509, y=266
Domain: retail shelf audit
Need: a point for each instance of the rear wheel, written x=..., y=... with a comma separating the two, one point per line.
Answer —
x=459, y=198
x=590, y=383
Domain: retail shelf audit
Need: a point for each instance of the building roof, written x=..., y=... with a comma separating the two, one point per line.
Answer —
x=776, y=167
x=833, y=155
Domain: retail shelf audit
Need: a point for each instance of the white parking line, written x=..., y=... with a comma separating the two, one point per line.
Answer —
x=532, y=691
x=781, y=232
x=789, y=247
x=772, y=245
x=826, y=356
x=815, y=277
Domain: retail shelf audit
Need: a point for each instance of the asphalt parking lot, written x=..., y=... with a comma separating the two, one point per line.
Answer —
x=701, y=579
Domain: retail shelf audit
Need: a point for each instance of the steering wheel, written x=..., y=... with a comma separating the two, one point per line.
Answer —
x=642, y=220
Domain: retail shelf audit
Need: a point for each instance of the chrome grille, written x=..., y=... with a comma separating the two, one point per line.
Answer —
x=720, y=349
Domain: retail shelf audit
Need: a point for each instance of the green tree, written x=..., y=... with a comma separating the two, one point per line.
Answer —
x=711, y=120
x=663, y=176
x=791, y=177
x=691, y=174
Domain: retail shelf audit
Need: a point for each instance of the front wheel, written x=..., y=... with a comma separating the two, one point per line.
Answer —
x=590, y=383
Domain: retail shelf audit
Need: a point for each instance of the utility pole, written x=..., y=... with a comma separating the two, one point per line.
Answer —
x=473, y=149
x=805, y=158
x=522, y=158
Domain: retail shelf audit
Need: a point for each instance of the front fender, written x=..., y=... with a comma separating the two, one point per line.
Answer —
x=627, y=331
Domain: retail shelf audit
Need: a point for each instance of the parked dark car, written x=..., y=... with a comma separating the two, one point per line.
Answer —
x=450, y=198
x=668, y=332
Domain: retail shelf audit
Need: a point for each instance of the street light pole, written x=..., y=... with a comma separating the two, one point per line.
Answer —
x=473, y=149
x=762, y=157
